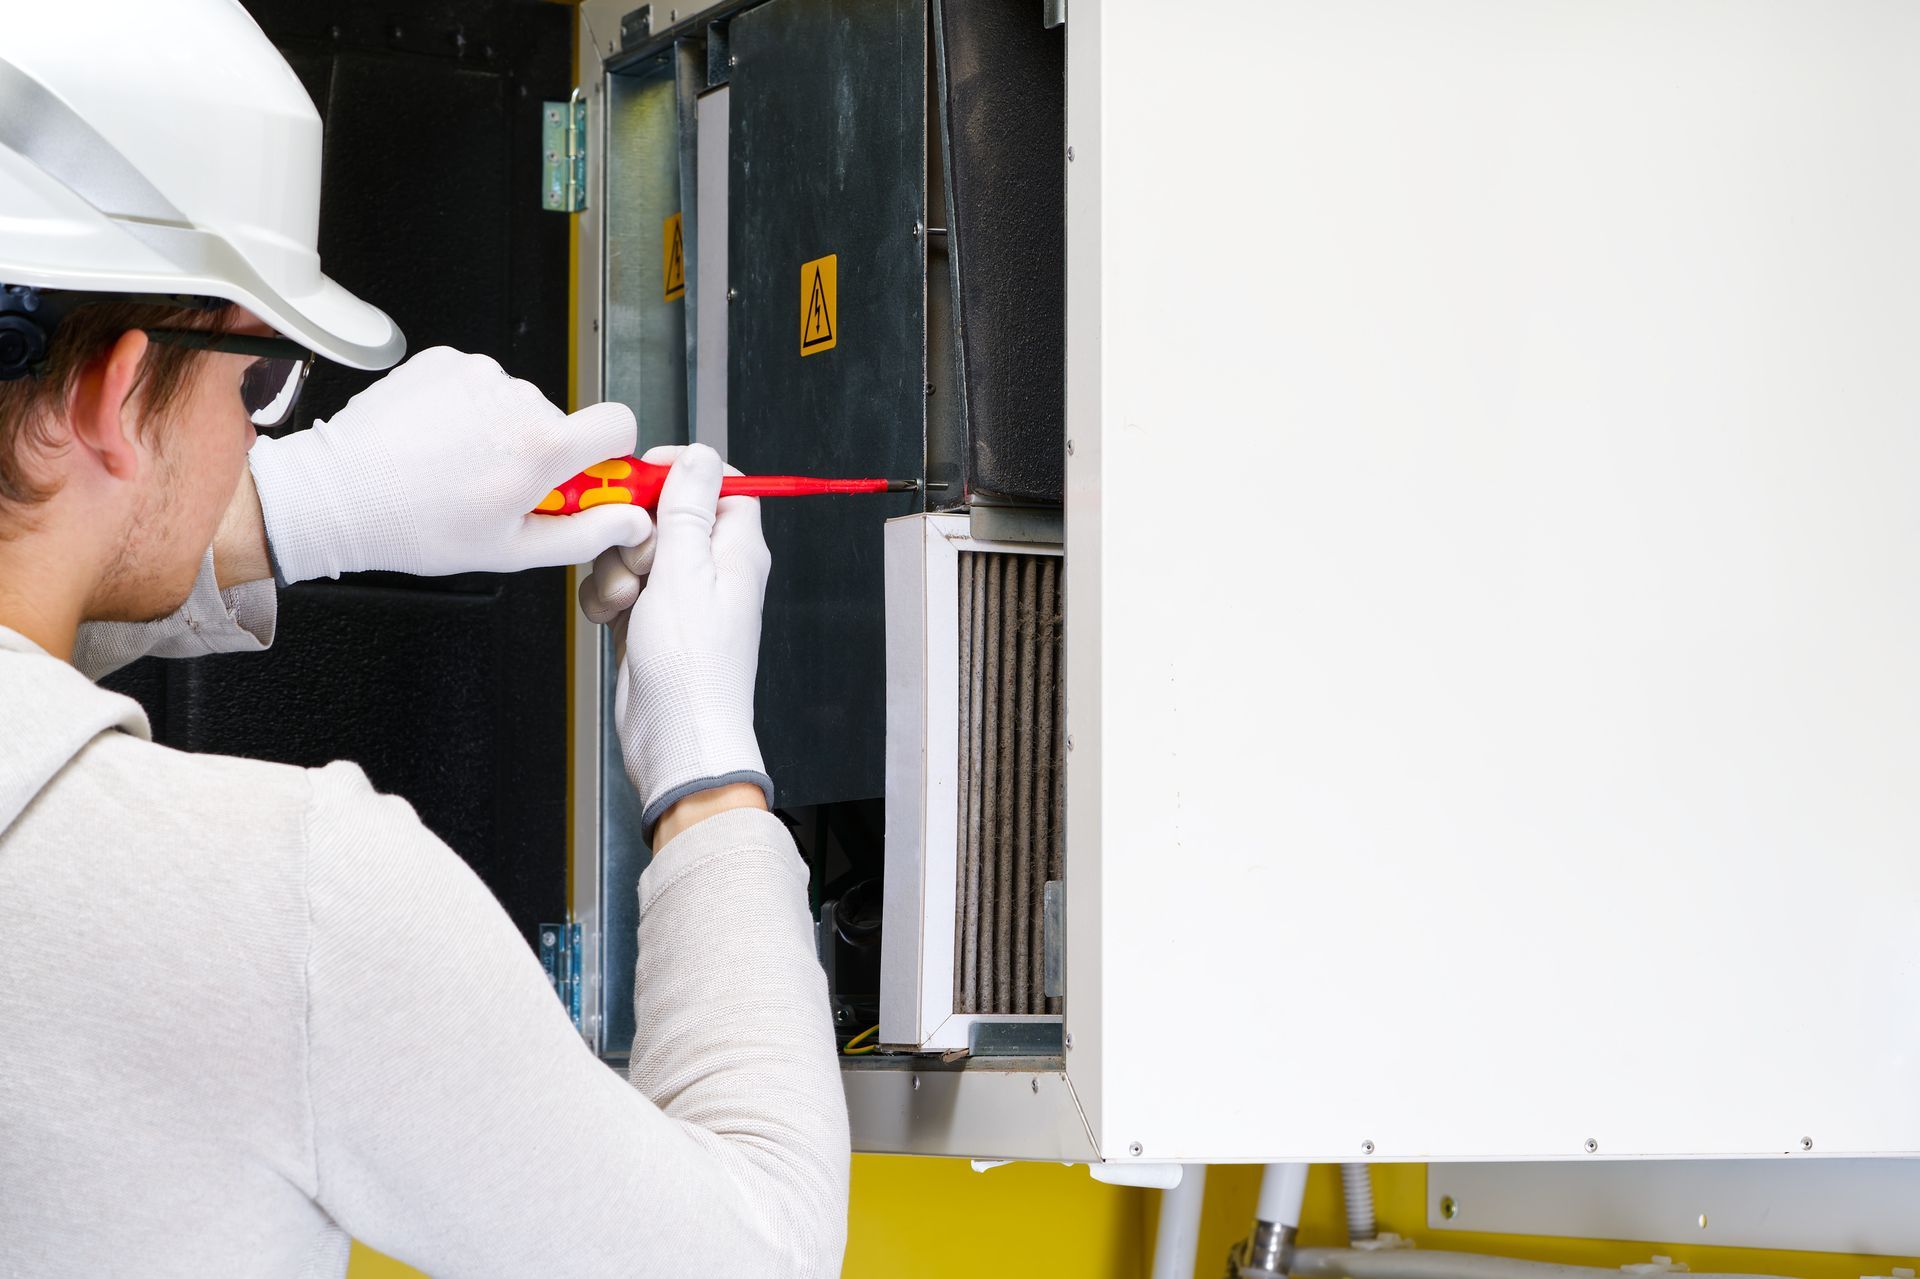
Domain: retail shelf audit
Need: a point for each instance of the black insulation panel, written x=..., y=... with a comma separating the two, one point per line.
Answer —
x=828, y=106
x=1003, y=117
x=450, y=692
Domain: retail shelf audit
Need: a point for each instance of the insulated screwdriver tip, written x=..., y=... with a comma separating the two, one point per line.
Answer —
x=903, y=486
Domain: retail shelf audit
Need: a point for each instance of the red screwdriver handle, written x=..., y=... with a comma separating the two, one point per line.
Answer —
x=629, y=480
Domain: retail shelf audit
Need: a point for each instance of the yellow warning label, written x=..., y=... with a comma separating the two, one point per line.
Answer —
x=819, y=300
x=673, y=259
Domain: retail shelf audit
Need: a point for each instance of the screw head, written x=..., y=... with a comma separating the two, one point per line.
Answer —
x=1593, y=1147
x=1069, y=448
x=1366, y=1147
x=1069, y=1041
x=1449, y=1207
x=1069, y=741
x=732, y=294
x=673, y=15
x=1703, y=1221
x=1136, y=1150
x=732, y=60
x=547, y=938
x=1806, y=1143
x=1069, y=155
x=916, y=228
x=1036, y=1085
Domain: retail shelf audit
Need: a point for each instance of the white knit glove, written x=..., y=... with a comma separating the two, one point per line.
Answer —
x=684, y=702
x=434, y=470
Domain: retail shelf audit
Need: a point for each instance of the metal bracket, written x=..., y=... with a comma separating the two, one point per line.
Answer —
x=1016, y=1039
x=563, y=144
x=636, y=26
x=560, y=952
x=1053, y=933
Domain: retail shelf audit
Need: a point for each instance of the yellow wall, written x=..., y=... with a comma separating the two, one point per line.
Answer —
x=938, y=1219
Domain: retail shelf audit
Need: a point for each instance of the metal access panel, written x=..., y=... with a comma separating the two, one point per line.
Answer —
x=651, y=284
x=1492, y=551
x=827, y=354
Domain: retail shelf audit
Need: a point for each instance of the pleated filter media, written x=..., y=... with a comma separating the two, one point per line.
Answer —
x=1010, y=828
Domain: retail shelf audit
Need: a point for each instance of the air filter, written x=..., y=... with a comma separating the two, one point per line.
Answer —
x=975, y=732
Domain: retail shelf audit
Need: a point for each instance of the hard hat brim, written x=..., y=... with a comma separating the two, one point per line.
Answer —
x=333, y=323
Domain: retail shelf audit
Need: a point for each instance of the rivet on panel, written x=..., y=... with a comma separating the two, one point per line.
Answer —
x=1069, y=1041
x=1069, y=155
x=1593, y=1147
x=1069, y=448
x=1366, y=1147
x=916, y=1083
x=1703, y=1221
x=1036, y=1085
x=1136, y=1150
x=732, y=60
x=1806, y=1143
x=1449, y=1207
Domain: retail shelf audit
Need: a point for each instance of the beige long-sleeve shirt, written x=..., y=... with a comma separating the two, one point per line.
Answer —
x=248, y=1010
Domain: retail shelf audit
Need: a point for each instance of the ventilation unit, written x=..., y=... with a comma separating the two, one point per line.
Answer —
x=975, y=830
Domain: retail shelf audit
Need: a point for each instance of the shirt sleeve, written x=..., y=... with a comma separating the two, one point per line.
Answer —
x=462, y=1125
x=239, y=619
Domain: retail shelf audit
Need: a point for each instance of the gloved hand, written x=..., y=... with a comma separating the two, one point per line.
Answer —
x=683, y=704
x=433, y=470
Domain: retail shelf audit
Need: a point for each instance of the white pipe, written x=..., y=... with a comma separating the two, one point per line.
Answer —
x=1408, y=1263
x=1283, y=1189
x=1177, y=1240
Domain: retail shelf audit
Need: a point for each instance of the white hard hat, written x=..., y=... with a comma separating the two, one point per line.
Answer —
x=153, y=148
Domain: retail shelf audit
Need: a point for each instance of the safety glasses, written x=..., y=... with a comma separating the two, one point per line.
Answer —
x=272, y=383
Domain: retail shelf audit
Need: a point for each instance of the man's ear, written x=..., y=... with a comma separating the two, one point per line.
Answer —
x=103, y=411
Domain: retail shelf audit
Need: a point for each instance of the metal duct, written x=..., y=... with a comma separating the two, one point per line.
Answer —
x=1010, y=826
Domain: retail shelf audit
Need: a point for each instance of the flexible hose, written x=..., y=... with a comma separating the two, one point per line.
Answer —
x=1356, y=1180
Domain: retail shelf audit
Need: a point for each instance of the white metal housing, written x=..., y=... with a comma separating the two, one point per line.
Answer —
x=1492, y=547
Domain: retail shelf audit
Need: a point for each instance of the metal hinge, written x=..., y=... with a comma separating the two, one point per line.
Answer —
x=560, y=955
x=563, y=145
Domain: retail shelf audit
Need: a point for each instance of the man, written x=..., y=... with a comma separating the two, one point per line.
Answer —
x=248, y=1010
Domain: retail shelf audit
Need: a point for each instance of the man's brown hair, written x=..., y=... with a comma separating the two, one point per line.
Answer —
x=30, y=406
